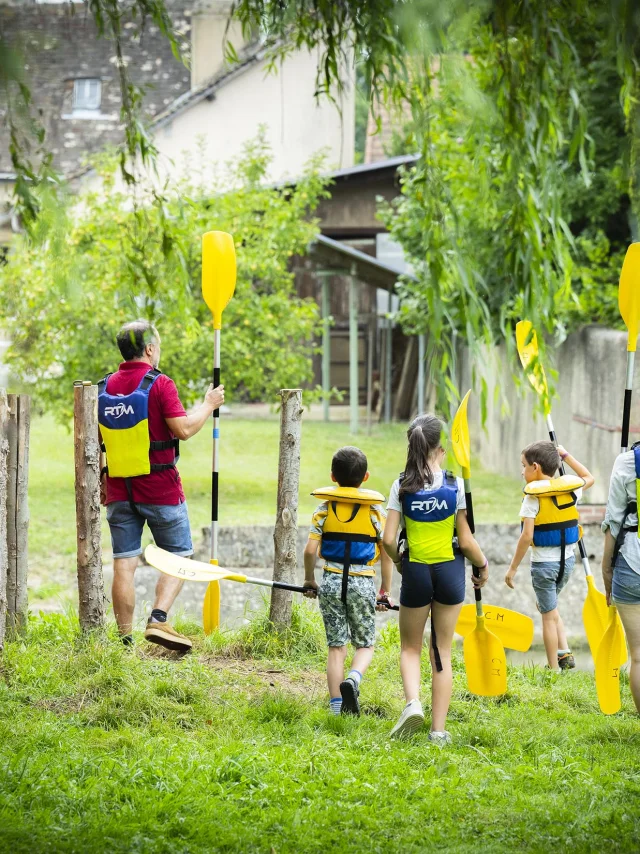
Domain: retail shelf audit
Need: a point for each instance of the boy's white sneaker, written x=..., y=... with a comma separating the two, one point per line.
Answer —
x=440, y=738
x=411, y=719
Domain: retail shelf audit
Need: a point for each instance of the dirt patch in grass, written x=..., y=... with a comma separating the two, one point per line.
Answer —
x=308, y=683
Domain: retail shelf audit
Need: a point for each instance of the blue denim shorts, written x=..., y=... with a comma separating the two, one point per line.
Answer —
x=544, y=579
x=625, y=589
x=169, y=525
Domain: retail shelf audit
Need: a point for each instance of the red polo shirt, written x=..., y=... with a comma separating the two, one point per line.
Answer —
x=159, y=487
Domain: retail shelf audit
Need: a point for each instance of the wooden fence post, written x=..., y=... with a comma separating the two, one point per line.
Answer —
x=4, y=558
x=17, y=511
x=91, y=599
x=285, y=534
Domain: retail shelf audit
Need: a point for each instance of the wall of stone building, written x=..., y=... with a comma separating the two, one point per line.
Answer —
x=591, y=366
x=59, y=44
x=296, y=124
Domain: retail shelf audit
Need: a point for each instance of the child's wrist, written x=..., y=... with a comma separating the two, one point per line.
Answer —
x=563, y=456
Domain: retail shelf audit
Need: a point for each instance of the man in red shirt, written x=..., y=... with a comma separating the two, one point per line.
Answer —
x=156, y=498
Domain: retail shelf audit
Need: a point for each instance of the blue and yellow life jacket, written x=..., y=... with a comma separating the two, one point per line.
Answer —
x=349, y=536
x=430, y=521
x=124, y=425
x=557, y=522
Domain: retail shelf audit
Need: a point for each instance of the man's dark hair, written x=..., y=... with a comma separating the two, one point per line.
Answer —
x=545, y=454
x=349, y=466
x=134, y=337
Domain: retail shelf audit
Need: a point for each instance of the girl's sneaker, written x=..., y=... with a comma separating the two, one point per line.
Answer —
x=411, y=719
x=566, y=661
x=440, y=738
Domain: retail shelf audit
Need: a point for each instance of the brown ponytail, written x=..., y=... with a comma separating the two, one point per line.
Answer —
x=425, y=436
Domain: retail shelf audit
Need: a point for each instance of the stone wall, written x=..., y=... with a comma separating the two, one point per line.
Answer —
x=251, y=549
x=591, y=366
x=252, y=546
x=59, y=43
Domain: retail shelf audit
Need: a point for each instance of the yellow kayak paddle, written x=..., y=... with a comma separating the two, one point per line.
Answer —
x=218, y=285
x=484, y=656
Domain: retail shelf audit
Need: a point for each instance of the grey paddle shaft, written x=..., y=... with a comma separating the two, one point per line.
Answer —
x=216, y=439
x=626, y=412
x=581, y=547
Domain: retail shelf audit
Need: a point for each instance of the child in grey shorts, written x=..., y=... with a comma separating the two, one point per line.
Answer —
x=551, y=527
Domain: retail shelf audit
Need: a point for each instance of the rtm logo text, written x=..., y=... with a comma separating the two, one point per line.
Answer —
x=429, y=505
x=120, y=409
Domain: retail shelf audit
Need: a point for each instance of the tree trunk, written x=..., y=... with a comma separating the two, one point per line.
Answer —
x=286, y=529
x=4, y=558
x=408, y=379
x=18, y=511
x=91, y=599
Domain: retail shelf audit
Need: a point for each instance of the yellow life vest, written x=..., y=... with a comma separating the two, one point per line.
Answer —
x=348, y=534
x=556, y=524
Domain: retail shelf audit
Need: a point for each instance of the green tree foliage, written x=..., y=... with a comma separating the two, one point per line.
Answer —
x=522, y=185
x=106, y=264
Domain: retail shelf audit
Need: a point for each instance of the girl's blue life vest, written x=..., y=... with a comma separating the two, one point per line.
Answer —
x=430, y=518
x=124, y=425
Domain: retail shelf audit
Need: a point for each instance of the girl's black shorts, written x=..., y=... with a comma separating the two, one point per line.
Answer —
x=424, y=583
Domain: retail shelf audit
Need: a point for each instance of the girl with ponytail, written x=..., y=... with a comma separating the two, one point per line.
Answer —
x=428, y=505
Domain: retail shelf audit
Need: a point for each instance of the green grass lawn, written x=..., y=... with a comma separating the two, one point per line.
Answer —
x=232, y=749
x=248, y=479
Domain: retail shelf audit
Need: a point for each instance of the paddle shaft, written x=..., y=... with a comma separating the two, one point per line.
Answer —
x=472, y=526
x=626, y=411
x=581, y=547
x=216, y=440
x=282, y=585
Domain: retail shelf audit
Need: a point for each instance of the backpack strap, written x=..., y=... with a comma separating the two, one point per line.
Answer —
x=102, y=385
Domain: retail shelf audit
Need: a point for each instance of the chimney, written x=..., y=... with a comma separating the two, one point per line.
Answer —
x=208, y=29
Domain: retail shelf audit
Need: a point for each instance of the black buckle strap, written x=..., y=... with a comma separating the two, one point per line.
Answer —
x=346, y=564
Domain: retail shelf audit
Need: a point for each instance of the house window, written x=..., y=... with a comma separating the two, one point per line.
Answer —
x=87, y=94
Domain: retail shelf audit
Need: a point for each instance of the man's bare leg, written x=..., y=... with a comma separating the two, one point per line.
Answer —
x=123, y=592
x=167, y=590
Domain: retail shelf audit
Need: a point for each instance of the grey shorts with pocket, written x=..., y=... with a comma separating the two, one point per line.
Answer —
x=544, y=577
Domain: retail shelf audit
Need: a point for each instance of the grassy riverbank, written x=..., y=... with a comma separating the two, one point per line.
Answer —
x=231, y=749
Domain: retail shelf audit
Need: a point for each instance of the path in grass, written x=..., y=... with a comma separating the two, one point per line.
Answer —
x=231, y=749
x=248, y=484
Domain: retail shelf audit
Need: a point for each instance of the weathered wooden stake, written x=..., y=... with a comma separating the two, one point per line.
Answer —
x=91, y=599
x=17, y=511
x=286, y=529
x=4, y=558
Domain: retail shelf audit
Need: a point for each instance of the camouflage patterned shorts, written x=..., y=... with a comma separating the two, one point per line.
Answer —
x=357, y=620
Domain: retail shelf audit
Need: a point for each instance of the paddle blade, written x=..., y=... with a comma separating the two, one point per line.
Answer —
x=485, y=662
x=218, y=272
x=211, y=608
x=460, y=436
x=629, y=294
x=608, y=665
x=513, y=630
x=187, y=569
x=594, y=616
x=527, y=344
